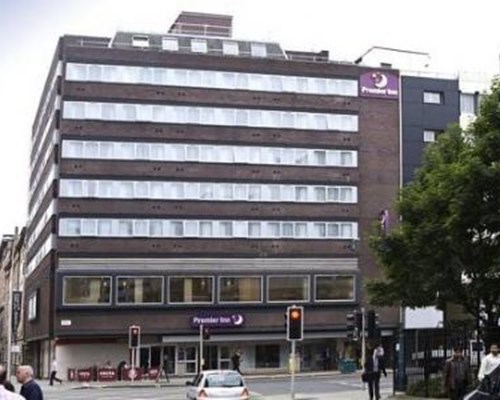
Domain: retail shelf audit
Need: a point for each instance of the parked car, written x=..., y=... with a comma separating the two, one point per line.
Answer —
x=217, y=384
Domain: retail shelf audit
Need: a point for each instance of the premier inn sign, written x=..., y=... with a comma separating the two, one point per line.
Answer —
x=379, y=84
x=218, y=320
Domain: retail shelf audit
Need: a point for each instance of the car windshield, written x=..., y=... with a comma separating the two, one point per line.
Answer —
x=223, y=380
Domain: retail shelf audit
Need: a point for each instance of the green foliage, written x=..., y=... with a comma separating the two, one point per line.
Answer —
x=447, y=247
x=434, y=388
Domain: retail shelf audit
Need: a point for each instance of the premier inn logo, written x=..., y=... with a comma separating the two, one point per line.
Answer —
x=379, y=84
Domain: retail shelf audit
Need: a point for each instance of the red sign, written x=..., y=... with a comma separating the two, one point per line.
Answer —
x=153, y=373
x=84, y=375
x=130, y=374
x=107, y=375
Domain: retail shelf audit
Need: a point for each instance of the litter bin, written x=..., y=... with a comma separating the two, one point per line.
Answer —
x=347, y=366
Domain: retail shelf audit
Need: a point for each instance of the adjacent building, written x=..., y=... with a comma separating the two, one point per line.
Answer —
x=191, y=178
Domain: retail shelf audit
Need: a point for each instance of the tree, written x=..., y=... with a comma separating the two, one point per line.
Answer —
x=447, y=246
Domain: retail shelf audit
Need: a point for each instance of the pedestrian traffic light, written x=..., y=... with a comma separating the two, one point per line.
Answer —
x=206, y=333
x=134, y=336
x=372, y=325
x=354, y=325
x=295, y=323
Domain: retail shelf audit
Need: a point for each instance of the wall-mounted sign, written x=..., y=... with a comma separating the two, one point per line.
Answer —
x=218, y=320
x=65, y=322
x=379, y=84
x=17, y=307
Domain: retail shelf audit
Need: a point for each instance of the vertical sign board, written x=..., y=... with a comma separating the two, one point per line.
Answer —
x=17, y=304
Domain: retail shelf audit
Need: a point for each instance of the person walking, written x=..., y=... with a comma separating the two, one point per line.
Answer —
x=489, y=362
x=30, y=390
x=456, y=375
x=236, y=360
x=380, y=354
x=163, y=369
x=53, y=373
x=372, y=374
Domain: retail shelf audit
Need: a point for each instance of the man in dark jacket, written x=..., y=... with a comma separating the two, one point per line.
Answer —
x=456, y=375
x=30, y=390
x=372, y=374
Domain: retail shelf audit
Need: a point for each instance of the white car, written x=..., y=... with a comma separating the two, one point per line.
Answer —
x=218, y=384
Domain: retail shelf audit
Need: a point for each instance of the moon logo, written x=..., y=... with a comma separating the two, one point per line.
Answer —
x=379, y=80
x=237, y=319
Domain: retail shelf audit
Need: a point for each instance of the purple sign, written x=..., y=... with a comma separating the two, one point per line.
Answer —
x=379, y=84
x=218, y=320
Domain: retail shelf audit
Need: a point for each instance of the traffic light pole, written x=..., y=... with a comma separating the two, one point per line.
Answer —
x=363, y=337
x=292, y=371
x=200, y=368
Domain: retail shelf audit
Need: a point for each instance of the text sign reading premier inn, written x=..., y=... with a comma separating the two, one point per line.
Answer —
x=379, y=84
x=218, y=320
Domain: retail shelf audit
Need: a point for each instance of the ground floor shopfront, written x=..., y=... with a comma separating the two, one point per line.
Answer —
x=259, y=353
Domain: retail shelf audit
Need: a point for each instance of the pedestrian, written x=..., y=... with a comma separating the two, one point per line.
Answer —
x=371, y=374
x=456, y=375
x=4, y=381
x=236, y=360
x=163, y=369
x=380, y=354
x=120, y=367
x=7, y=391
x=53, y=373
x=489, y=362
x=30, y=390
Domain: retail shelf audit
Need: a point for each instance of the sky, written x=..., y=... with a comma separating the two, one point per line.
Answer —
x=459, y=35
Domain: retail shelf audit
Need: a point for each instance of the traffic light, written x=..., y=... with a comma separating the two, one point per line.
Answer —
x=134, y=336
x=352, y=325
x=206, y=333
x=295, y=323
x=372, y=325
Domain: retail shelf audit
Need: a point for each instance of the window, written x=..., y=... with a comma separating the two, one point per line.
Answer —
x=258, y=50
x=433, y=97
x=86, y=290
x=140, y=290
x=467, y=103
x=334, y=288
x=240, y=289
x=230, y=48
x=140, y=41
x=198, y=46
x=169, y=43
x=430, y=136
x=191, y=289
x=286, y=288
x=33, y=306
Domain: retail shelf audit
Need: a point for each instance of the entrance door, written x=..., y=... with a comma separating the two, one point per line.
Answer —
x=187, y=359
x=169, y=351
x=224, y=357
x=210, y=356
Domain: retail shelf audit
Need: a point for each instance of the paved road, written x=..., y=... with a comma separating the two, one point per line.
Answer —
x=338, y=387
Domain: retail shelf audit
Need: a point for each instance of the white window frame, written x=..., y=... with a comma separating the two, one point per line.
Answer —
x=117, y=284
x=429, y=135
x=308, y=278
x=259, y=277
x=170, y=43
x=433, y=97
x=315, y=286
x=211, y=277
x=199, y=46
x=109, y=277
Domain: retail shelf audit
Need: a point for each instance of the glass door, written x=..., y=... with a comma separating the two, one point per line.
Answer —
x=224, y=357
x=187, y=359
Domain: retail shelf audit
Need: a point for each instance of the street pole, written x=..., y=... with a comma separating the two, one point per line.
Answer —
x=9, y=325
x=363, y=338
x=200, y=368
x=292, y=370
x=132, y=371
